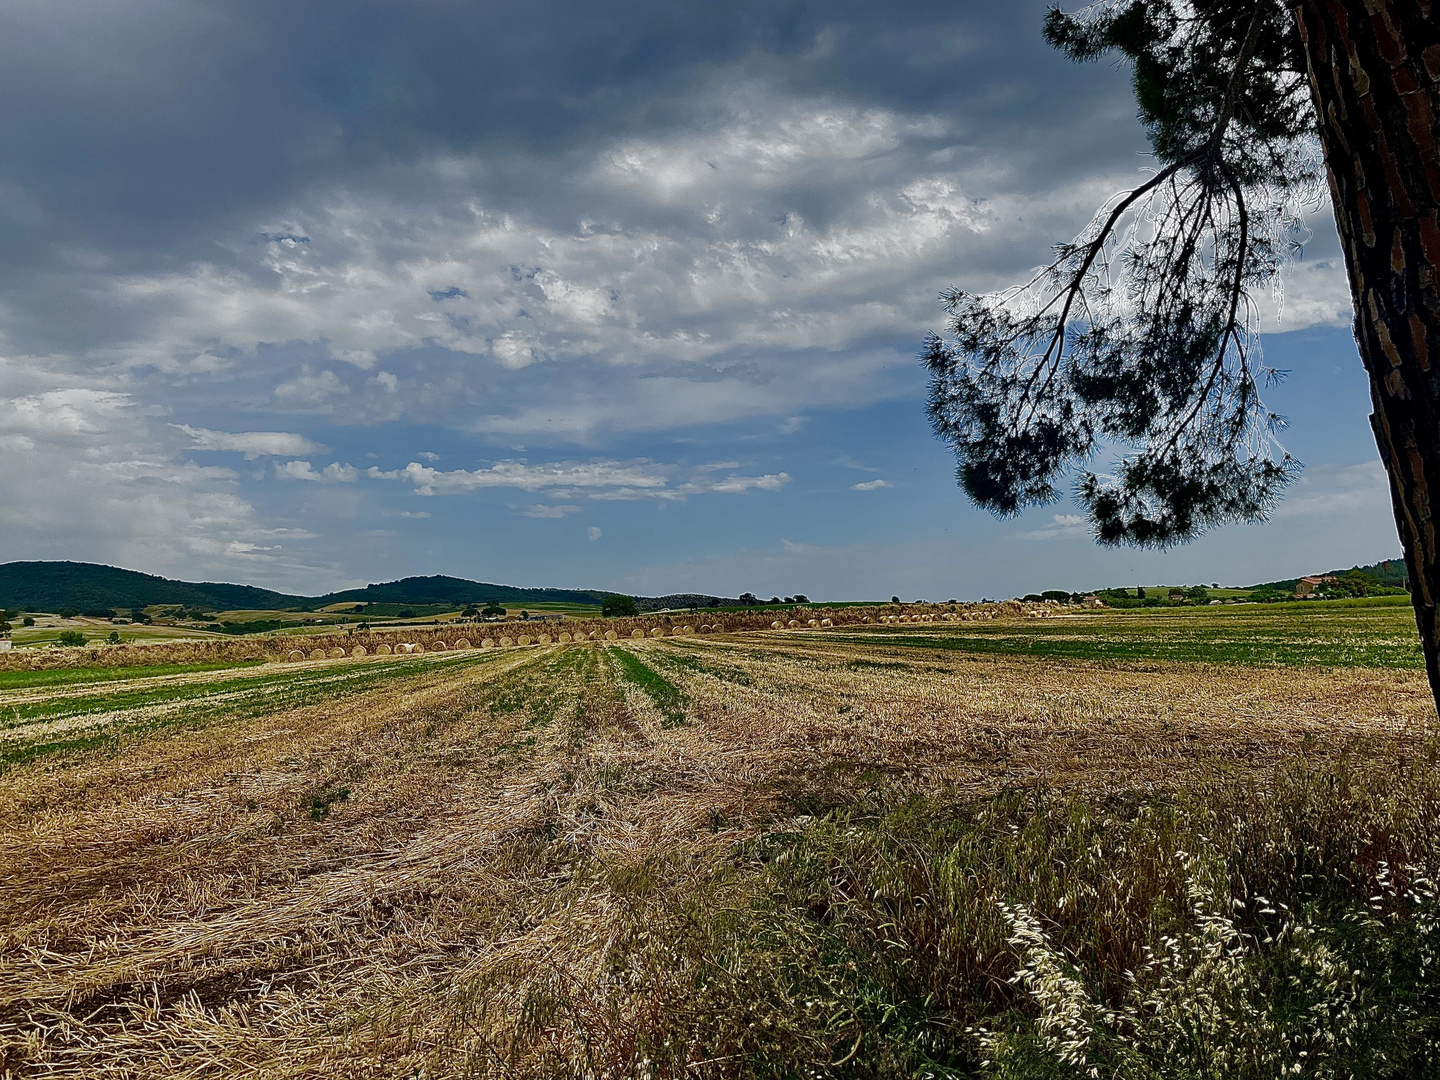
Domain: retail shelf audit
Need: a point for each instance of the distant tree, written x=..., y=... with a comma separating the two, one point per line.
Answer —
x=5, y=626
x=27, y=621
x=749, y=599
x=619, y=607
x=492, y=607
x=1141, y=333
x=801, y=598
x=775, y=600
x=358, y=609
x=1140, y=592
x=68, y=613
x=1033, y=598
x=894, y=599
x=1055, y=594
x=1197, y=593
x=406, y=613
x=470, y=612
x=71, y=638
x=114, y=638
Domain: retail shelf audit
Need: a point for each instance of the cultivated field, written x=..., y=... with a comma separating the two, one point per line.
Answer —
x=898, y=850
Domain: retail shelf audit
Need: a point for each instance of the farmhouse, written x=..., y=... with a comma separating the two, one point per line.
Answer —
x=1308, y=586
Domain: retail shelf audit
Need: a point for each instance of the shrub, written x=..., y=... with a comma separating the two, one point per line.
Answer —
x=71, y=638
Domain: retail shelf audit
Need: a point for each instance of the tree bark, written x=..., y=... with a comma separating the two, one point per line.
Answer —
x=1375, y=75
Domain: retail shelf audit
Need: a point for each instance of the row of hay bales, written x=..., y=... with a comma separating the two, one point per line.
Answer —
x=380, y=643
x=502, y=641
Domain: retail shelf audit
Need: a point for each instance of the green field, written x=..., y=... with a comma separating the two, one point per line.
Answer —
x=1153, y=845
x=1351, y=633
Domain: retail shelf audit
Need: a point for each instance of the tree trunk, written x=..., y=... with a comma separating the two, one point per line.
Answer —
x=1375, y=76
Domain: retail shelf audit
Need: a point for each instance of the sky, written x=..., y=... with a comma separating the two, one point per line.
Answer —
x=612, y=295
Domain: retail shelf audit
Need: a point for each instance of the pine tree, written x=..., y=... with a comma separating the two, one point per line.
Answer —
x=1141, y=334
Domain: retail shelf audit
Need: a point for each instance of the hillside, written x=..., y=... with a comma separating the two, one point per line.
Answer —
x=438, y=589
x=51, y=586
x=54, y=586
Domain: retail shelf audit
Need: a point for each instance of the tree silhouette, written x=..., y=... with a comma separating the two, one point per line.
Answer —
x=1140, y=334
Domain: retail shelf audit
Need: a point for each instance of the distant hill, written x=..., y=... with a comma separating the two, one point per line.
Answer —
x=50, y=586
x=1390, y=572
x=450, y=590
x=53, y=586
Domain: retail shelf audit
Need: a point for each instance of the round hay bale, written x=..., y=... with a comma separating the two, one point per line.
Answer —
x=296, y=654
x=438, y=646
x=794, y=624
x=637, y=633
x=564, y=638
x=689, y=629
x=827, y=622
x=317, y=654
x=523, y=639
x=611, y=635
x=462, y=643
x=777, y=625
x=594, y=635
x=505, y=643
x=814, y=622
x=487, y=643
x=658, y=631
x=358, y=650
x=543, y=639
x=382, y=650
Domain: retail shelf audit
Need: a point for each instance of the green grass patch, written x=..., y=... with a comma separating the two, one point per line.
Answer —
x=1362, y=633
x=668, y=698
x=141, y=711
x=20, y=680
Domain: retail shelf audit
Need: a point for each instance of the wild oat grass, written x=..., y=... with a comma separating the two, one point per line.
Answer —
x=728, y=856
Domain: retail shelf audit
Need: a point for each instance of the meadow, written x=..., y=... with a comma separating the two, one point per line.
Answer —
x=1175, y=843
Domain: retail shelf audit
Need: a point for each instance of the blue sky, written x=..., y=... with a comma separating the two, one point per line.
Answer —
x=609, y=295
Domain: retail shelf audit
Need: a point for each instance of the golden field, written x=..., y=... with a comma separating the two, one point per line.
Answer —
x=634, y=858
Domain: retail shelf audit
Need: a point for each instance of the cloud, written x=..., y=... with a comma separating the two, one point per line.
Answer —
x=593, y=533
x=734, y=485
x=334, y=473
x=86, y=477
x=541, y=510
x=596, y=480
x=870, y=485
x=252, y=444
x=1062, y=526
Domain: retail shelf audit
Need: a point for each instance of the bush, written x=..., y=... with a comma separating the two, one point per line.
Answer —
x=114, y=638
x=619, y=607
x=71, y=638
x=27, y=621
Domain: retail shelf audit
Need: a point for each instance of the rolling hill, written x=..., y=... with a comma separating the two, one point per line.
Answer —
x=53, y=586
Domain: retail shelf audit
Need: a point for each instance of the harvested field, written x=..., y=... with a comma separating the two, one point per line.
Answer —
x=659, y=856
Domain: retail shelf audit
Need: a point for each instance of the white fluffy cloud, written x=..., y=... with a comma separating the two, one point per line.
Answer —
x=596, y=480
x=252, y=444
x=85, y=465
x=334, y=473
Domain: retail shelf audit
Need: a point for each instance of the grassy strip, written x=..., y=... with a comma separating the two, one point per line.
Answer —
x=1254, y=650
x=668, y=698
x=20, y=680
x=228, y=700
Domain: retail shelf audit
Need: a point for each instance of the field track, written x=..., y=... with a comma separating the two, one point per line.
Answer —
x=366, y=867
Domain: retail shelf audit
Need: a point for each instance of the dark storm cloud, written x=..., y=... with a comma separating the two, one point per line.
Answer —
x=141, y=128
